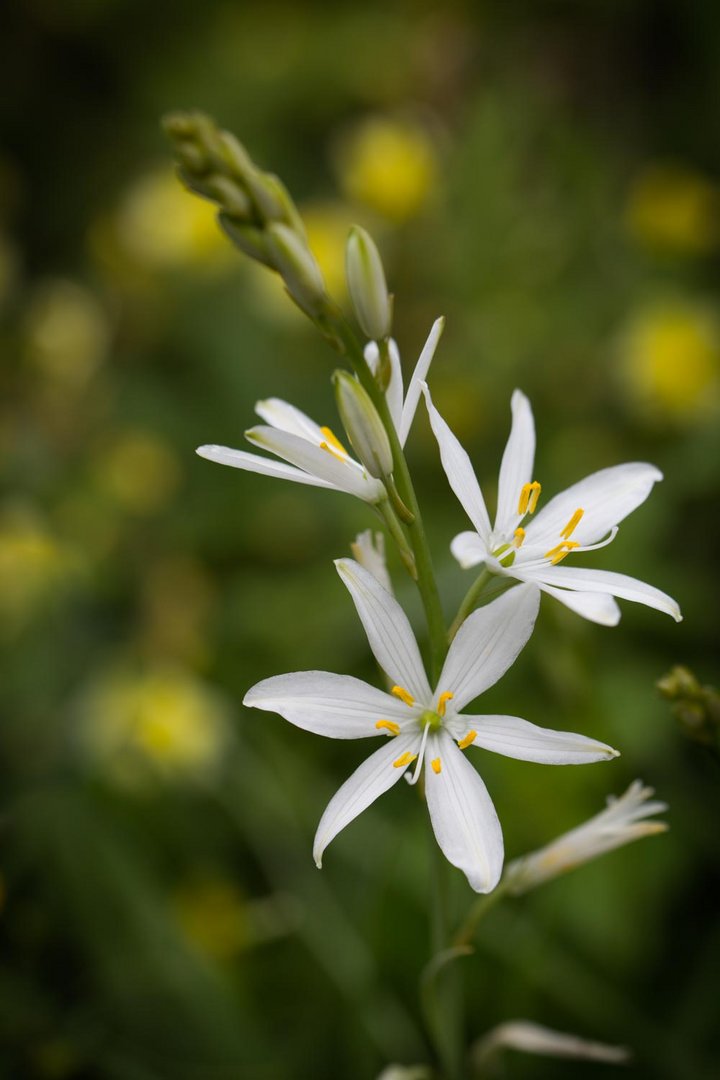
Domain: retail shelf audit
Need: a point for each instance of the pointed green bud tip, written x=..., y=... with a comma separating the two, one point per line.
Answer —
x=296, y=265
x=367, y=286
x=363, y=425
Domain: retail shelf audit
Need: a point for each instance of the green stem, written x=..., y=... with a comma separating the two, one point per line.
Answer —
x=469, y=601
x=343, y=337
x=440, y=986
x=478, y=910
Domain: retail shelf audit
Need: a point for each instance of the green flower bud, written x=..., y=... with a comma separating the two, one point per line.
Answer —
x=296, y=265
x=363, y=425
x=366, y=282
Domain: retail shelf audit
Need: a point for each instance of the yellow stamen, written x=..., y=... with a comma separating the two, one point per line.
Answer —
x=389, y=725
x=529, y=495
x=443, y=700
x=404, y=759
x=572, y=524
x=519, y=536
x=436, y=764
x=469, y=738
x=557, y=554
x=329, y=450
x=401, y=693
x=333, y=440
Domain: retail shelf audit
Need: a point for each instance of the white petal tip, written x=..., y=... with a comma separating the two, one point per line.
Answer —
x=612, y=753
x=318, y=861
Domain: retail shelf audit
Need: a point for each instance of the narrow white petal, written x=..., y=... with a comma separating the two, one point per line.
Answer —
x=597, y=607
x=418, y=376
x=376, y=775
x=394, y=391
x=605, y=581
x=388, y=629
x=469, y=549
x=517, y=463
x=606, y=497
x=344, y=475
x=338, y=706
x=516, y=738
x=488, y=642
x=462, y=814
x=458, y=470
x=286, y=417
x=240, y=459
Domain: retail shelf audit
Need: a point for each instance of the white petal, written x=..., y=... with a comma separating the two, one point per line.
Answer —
x=605, y=581
x=285, y=417
x=517, y=463
x=343, y=475
x=463, y=817
x=606, y=497
x=469, y=549
x=418, y=376
x=394, y=391
x=388, y=630
x=369, y=781
x=338, y=706
x=240, y=459
x=458, y=470
x=597, y=607
x=487, y=643
x=516, y=738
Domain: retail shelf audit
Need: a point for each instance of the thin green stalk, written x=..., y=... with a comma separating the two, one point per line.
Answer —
x=343, y=337
x=478, y=910
x=469, y=601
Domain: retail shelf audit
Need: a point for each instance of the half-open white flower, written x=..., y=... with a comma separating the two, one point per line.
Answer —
x=621, y=822
x=425, y=726
x=582, y=518
x=311, y=453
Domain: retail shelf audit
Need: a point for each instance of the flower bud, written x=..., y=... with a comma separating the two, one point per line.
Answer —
x=368, y=549
x=366, y=282
x=363, y=425
x=296, y=265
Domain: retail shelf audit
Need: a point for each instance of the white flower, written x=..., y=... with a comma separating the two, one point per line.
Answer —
x=619, y=823
x=369, y=550
x=582, y=518
x=425, y=726
x=534, y=1039
x=313, y=454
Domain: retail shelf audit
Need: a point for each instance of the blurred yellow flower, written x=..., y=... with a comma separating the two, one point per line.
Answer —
x=213, y=915
x=177, y=598
x=671, y=358
x=162, y=721
x=139, y=471
x=389, y=166
x=160, y=224
x=673, y=208
x=33, y=564
x=67, y=332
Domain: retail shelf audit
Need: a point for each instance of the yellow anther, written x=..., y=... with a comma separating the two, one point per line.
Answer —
x=557, y=554
x=333, y=441
x=443, y=700
x=436, y=764
x=572, y=524
x=518, y=537
x=389, y=725
x=529, y=495
x=404, y=759
x=329, y=450
x=469, y=738
x=401, y=693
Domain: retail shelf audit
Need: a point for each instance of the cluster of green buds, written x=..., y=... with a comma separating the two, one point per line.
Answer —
x=695, y=707
x=254, y=208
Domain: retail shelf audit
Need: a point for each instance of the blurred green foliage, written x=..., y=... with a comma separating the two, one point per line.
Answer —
x=546, y=176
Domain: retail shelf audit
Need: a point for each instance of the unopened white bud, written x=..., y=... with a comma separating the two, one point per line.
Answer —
x=297, y=266
x=367, y=286
x=363, y=425
x=368, y=549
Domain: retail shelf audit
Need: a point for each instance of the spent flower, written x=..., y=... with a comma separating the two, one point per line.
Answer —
x=529, y=548
x=424, y=727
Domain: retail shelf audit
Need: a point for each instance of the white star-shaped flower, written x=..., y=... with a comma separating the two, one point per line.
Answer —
x=582, y=518
x=424, y=727
x=313, y=454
